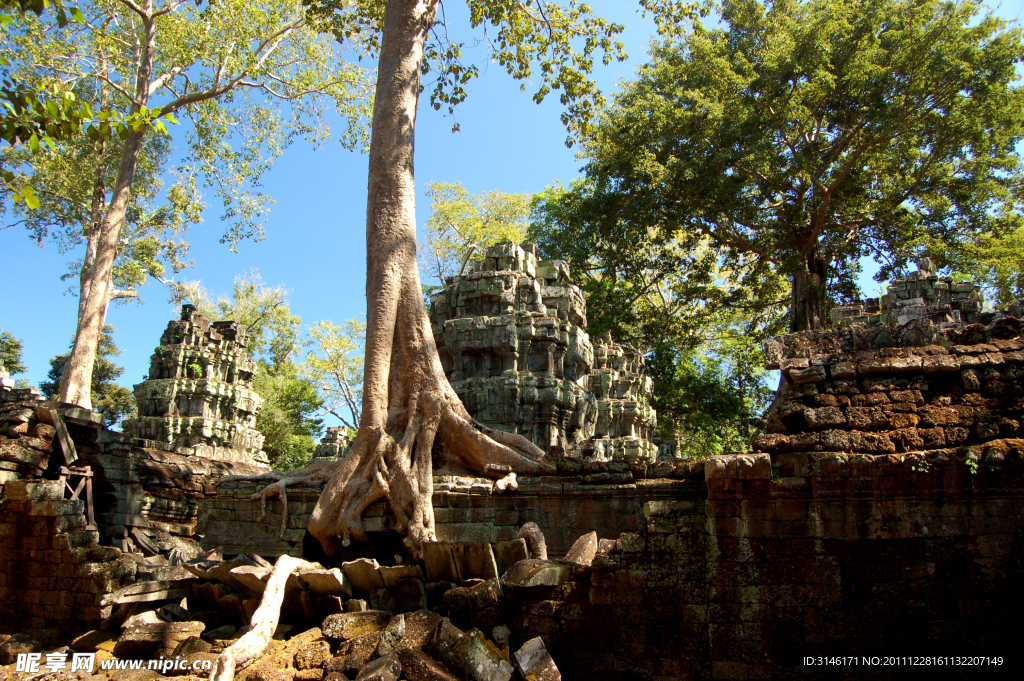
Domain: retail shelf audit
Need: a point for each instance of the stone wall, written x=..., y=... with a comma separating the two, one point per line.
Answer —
x=873, y=558
x=53, y=573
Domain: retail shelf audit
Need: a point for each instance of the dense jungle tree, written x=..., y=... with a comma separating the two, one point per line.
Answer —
x=114, y=401
x=248, y=77
x=796, y=138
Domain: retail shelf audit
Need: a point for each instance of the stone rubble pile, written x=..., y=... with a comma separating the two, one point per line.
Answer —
x=198, y=398
x=922, y=295
x=440, y=620
x=512, y=340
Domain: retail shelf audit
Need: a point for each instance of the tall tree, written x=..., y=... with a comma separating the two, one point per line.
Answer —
x=410, y=413
x=799, y=137
x=334, y=364
x=462, y=225
x=114, y=401
x=229, y=67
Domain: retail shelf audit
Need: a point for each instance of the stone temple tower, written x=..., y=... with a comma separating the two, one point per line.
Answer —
x=198, y=398
x=511, y=338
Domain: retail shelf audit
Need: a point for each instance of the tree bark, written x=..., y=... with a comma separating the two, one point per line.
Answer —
x=410, y=412
x=76, y=381
x=809, y=294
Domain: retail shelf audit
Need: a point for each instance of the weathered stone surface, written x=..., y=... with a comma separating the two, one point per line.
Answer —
x=508, y=553
x=387, y=668
x=312, y=654
x=583, y=550
x=331, y=582
x=534, y=662
x=475, y=560
x=251, y=577
x=349, y=625
x=534, y=572
x=199, y=394
x=439, y=562
x=354, y=654
x=153, y=640
x=478, y=606
x=363, y=574
x=480, y=659
x=418, y=666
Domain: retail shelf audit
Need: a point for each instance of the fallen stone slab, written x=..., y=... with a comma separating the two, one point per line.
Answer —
x=418, y=666
x=439, y=562
x=363, y=575
x=508, y=553
x=91, y=640
x=393, y=575
x=147, y=592
x=583, y=550
x=480, y=659
x=387, y=668
x=350, y=625
x=391, y=635
x=535, y=572
x=444, y=644
x=475, y=560
x=477, y=606
x=252, y=578
x=354, y=654
x=534, y=662
x=331, y=582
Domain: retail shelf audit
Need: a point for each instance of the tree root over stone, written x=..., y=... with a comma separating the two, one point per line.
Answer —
x=250, y=646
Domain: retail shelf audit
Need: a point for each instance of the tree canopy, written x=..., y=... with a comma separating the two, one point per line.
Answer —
x=462, y=225
x=10, y=353
x=798, y=137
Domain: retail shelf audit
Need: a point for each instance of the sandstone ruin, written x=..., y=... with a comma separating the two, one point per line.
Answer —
x=882, y=511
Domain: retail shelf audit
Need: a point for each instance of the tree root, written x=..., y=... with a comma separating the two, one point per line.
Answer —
x=249, y=647
x=315, y=475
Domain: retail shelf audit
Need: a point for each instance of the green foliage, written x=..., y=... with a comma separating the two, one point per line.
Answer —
x=461, y=226
x=250, y=77
x=334, y=364
x=10, y=353
x=799, y=137
x=996, y=261
x=286, y=418
x=552, y=44
x=151, y=243
x=110, y=399
x=699, y=322
x=260, y=309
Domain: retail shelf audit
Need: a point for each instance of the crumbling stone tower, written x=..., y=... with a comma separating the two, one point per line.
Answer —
x=511, y=338
x=198, y=398
x=625, y=419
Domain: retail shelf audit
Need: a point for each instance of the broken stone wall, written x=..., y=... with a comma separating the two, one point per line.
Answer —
x=54, y=576
x=874, y=558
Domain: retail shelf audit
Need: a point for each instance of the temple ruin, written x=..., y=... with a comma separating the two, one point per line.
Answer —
x=880, y=513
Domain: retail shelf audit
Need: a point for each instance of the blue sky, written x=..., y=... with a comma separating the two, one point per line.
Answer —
x=315, y=235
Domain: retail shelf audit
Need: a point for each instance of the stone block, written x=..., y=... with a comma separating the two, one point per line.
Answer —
x=534, y=662
x=387, y=668
x=350, y=625
x=363, y=574
x=332, y=582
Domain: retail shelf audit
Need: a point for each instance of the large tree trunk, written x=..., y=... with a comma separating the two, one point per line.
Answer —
x=410, y=411
x=809, y=296
x=76, y=380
